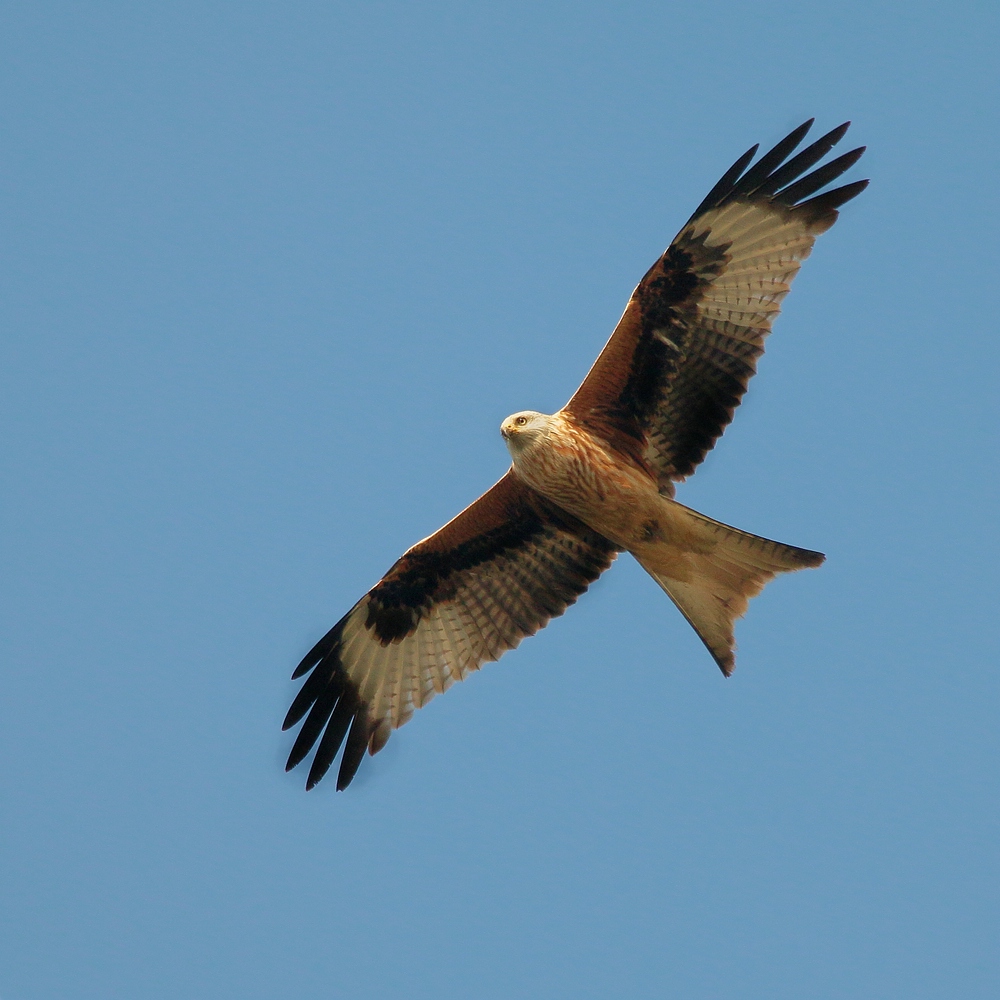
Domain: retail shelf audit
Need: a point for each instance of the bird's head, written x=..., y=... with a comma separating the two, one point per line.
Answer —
x=524, y=428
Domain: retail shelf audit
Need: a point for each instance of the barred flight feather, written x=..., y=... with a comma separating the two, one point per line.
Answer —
x=438, y=614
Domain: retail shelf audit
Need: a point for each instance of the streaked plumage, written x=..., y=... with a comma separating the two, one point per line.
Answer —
x=595, y=479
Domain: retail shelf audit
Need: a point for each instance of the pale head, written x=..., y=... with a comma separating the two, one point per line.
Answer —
x=524, y=428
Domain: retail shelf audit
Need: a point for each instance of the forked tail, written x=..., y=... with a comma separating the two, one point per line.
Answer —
x=711, y=570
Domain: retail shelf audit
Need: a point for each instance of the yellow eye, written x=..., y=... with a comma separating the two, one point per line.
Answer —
x=521, y=421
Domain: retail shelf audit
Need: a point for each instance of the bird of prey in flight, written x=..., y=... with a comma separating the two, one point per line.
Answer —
x=597, y=478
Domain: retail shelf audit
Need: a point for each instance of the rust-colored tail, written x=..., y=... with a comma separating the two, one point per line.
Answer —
x=711, y=570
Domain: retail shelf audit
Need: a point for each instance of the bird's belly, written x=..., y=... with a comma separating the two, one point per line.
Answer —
x=604, y=492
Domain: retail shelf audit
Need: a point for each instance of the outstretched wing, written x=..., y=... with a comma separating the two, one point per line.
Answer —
x=666, y=385
x=495, y=574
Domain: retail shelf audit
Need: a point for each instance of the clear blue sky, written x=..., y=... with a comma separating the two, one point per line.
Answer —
x=272, y=275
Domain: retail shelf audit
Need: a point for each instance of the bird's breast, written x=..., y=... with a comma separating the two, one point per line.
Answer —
x=586, y=477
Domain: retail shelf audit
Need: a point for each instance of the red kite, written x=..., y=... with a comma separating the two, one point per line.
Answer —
x=597, y=478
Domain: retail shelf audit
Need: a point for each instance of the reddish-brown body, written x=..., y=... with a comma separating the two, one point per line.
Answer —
x=584, y=475
x=579, y=472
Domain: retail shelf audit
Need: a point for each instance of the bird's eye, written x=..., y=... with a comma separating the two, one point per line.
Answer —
x=521, y=421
